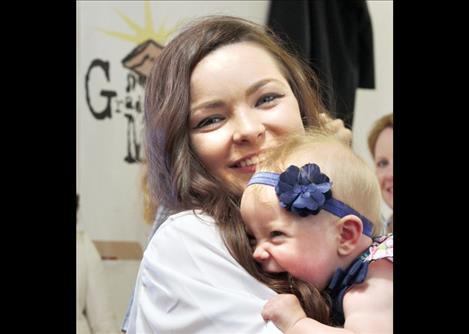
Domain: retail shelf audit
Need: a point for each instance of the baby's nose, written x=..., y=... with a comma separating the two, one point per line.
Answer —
x=260, y=254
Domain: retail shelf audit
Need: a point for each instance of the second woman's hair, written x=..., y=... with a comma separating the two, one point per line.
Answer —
x=387, y=121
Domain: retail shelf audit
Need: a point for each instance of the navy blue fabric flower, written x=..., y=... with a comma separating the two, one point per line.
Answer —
x=304, y=190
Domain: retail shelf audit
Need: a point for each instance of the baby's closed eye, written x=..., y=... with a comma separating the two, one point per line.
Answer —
x=277, y=236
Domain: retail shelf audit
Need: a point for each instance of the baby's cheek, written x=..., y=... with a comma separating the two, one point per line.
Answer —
x=294, y=265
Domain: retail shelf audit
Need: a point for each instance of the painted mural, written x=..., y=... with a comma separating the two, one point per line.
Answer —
x=138, y=62
x=117, y=43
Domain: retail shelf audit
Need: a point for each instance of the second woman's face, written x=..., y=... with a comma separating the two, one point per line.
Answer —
x=384, y=165
x=240, y=105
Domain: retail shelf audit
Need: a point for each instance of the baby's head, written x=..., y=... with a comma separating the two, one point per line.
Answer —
x=312, y=229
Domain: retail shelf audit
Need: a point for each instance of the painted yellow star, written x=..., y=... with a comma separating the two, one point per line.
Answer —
x=144, y=33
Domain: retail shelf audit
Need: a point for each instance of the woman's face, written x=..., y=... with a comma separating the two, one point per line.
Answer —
x=240, y=104
x=384, y=164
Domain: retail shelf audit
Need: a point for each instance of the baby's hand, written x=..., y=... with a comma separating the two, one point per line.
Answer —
x=284, y=311
x=337, y=127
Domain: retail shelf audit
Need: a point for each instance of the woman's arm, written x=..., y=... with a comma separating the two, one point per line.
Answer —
x=189, y=283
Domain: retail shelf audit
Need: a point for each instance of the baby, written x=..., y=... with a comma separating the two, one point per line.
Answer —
x=312, y=210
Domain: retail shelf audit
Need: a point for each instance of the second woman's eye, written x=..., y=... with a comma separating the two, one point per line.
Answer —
x=382, y=163
x=267, y=98
x=209, y=121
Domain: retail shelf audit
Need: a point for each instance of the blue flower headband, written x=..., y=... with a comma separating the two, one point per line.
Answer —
x=305, y=191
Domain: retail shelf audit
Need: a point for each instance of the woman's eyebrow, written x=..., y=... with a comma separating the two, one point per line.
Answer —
x=261, y=83
x=213, y=104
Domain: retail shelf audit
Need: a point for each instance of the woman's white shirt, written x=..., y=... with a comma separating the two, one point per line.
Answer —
x=189, y=283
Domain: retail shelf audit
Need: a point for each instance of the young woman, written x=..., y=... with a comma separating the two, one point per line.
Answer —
x=220, y=93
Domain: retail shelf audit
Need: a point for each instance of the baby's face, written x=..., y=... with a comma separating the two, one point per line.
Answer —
x=306, y=247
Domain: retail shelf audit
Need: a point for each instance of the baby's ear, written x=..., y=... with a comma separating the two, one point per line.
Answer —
x=350, y=229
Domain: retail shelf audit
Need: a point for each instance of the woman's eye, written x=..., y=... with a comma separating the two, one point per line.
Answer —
x=209, y=121
x=267, y=99
x=382, y=163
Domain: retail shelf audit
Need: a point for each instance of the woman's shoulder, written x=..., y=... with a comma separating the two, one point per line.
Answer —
x=189, y=226
x=188, y=220
x=190, y=215
x=186, y=235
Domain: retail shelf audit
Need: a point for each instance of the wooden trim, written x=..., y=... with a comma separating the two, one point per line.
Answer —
x=119, y=250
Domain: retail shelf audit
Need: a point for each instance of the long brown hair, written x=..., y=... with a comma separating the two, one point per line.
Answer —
x=177, y=178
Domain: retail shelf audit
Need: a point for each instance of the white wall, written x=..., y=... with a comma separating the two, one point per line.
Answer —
x=371, y=104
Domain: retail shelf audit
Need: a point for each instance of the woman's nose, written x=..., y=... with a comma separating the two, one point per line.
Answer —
x=389, y=171
x=248, y=127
